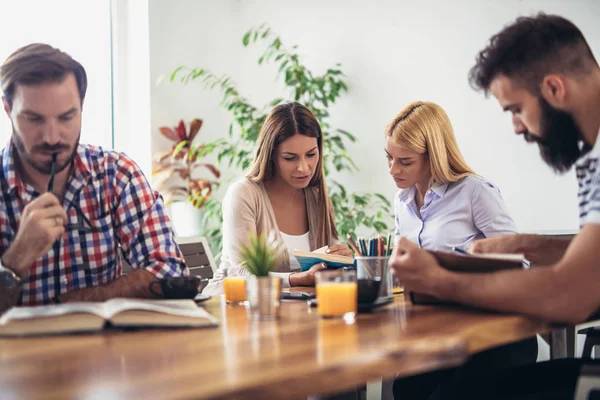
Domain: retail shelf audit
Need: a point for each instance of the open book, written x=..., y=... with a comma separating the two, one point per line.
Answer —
x=309, y=258
x=83, y=317
x=471, y=263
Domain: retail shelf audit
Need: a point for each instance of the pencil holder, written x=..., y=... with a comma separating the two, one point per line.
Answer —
x=373, y=267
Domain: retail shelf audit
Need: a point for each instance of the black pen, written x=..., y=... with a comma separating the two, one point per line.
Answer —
x=461, y=251
x=52, y=172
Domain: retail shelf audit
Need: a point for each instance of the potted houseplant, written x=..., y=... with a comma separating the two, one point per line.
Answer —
x=181, y=175
x=319, y=92
x=259, y=256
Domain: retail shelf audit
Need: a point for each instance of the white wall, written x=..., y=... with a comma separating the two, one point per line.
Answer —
x=393, y=52
x=81, y=29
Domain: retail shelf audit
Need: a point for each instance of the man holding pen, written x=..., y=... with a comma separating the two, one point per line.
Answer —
x=68, y=209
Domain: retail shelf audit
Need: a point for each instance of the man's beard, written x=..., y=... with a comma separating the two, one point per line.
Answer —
x=558, y=138
x=45, y=167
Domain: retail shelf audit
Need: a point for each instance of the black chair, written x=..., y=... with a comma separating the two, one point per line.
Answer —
x=198, y=257
x=588, y=384
x=592, y=338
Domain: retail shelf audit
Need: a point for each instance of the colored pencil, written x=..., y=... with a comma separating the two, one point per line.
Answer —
x=353, y=245
x=363, y=246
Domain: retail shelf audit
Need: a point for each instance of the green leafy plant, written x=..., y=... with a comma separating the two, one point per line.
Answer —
x=182, y=162
x=318, y=93
x=260, y=254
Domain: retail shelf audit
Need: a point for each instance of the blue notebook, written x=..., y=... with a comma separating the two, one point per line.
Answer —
x=307, y=259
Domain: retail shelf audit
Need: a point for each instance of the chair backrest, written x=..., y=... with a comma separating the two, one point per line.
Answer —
x=198, y=256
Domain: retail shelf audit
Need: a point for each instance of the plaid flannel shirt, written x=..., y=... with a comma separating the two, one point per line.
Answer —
x=113, y=193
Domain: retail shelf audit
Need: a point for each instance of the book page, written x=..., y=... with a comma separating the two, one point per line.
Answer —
x=321, y=250
x=184, y=308
x=501, y=256
x=52, y=310
x=323, y=257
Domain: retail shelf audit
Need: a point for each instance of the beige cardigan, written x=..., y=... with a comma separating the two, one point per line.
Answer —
x=247, y=208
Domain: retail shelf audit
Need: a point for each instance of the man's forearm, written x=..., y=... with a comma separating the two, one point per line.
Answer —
x=134, y=284
x=536, y=292
x=542, y=249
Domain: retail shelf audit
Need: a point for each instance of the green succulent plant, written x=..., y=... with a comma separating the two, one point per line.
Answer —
x=260, y=254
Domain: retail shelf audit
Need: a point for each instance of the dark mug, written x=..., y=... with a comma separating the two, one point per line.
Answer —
x=178, y=287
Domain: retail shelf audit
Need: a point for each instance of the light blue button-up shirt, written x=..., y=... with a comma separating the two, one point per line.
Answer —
x=453, y=214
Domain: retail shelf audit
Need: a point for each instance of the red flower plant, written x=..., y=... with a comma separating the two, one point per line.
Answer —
x=176, y=170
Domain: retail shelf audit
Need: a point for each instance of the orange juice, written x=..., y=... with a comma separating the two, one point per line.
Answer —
x=235, y=290
x=335, y=299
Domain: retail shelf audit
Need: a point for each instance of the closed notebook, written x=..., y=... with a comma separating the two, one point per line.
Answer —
x=309, y=258
x=87, y=317
x=480, y=263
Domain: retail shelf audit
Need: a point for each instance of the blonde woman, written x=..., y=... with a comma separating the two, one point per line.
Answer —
x=441, y=203
x=283, y=193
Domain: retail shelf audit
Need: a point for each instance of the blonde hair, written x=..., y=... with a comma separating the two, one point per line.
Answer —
x=424, y=127
x=285, y=121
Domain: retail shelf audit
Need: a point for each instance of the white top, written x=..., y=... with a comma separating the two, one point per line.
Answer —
x=588, y=177
x=293, y=242
x=453, y=214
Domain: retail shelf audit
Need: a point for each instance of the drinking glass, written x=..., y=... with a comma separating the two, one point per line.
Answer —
x=337, y=294
x=235, y=290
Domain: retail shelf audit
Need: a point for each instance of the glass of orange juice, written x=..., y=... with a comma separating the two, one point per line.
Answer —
x=235, y=290
x=337, y=294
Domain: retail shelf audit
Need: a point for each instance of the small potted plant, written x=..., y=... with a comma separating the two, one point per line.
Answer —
x=259, y=256
x=183, y=161
x=183, y=176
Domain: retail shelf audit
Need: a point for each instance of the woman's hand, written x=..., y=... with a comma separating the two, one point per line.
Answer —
x=306, y=278
x=340, y=249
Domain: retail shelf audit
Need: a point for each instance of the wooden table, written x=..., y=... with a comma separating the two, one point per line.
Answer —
x=300, y=354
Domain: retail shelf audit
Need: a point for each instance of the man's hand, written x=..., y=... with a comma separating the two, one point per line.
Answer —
x=340, y=249
x=539, y=249
x=306, y=278
x=417, y=269
x=42, y=222
x=500, y=244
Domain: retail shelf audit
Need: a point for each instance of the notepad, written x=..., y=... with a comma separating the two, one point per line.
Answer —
x=91, y=316
x=309, y=258
x=471, y=263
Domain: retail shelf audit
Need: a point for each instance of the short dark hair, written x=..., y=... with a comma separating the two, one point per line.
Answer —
x=531, y=48
x=39, y=63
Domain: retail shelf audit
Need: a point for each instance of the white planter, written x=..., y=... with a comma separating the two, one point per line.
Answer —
x=185, y=218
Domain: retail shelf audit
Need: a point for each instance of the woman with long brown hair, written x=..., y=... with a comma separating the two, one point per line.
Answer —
x=283, y=193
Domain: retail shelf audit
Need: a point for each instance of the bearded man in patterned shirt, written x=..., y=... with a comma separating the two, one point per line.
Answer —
x=67, y=210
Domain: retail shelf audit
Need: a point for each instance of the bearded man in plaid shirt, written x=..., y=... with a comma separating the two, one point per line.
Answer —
x=63, y=223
